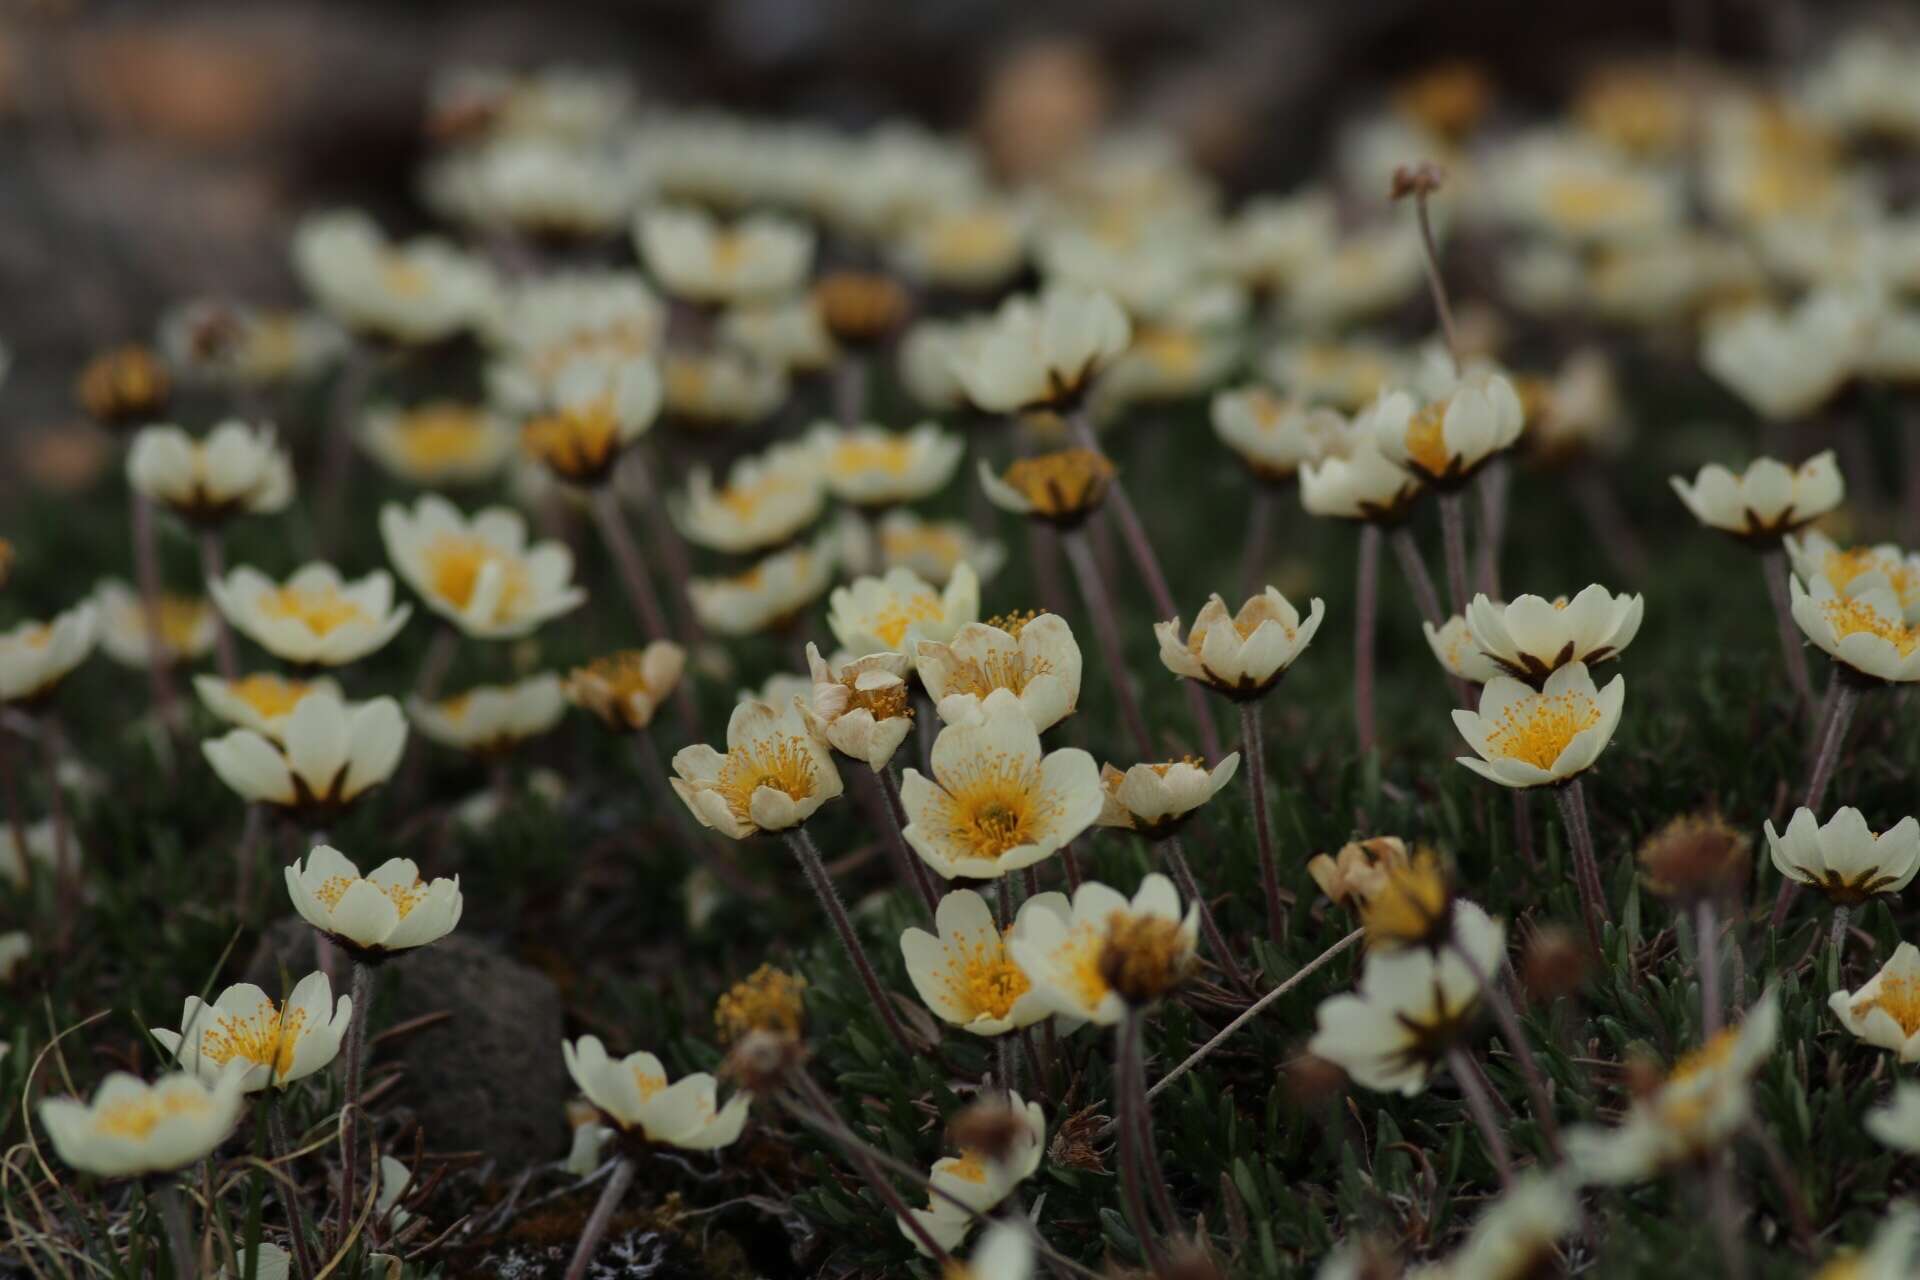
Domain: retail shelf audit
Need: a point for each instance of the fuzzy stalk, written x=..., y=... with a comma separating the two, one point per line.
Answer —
x=173, y=1215
x=850, y=389
x=1515, y=1036
x=816, y=872
x=349, y=393
x=612, y=523
x=146, y=568
x=1792, y=649
x=916, y=867
x=306, y=1267
x=1586, y=867
x=667, y=542
x=1706, y=942
x=213, y=567
x=1106, y=627
x=1453, y=533
x=355, y=1053
x=1252, y=742
x=1133, y=1181
x=1176, y=856
x=1846, y=698
x=1473, y=1088
x=1366, y=612
x=1259, y=533
x=1436, y=285
x=1492, y=489
x=602, y=1217
x=1600, y=507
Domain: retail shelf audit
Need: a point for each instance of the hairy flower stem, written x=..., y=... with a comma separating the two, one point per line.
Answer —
x=602, y=1217
x=1426, y=598
x=344, y=401
x=1586, y=867
x=213, y=567
x=916, y=867
x=666, y=539
x=1837, y=939
x=66, y=854
x=809, y=856
x=1473, y=1088
x=1521, y=1051
x=1252, y=742
x=1366, y=612
x=1600, y=507
x=1453, y=531
x=864, y=1159
x=306, y=1265
x=1259, y=533
x=1846, y=698
x=1523, y=827
x=355, y=1053
x=1176, y=858
x=850, y=389
x=1792, y=648
x=173, y=1214
x=146, y=564
x=1132, y=1159
x=1706, y=942
x=1093, y=592
x=1725, y=1212
x=245, y=855
x=1492, y=488
x=1435, y=283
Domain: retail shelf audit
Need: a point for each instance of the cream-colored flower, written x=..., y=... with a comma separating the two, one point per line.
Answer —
x=786, y=333
x=388, y=910
x=767, y=500
x=1458, y=653
x=418, y=292
x=720, y=388
x=1043, y=352
x=1897, y=1124
x=563, y=102
x=898, y=611
x=1005, y=1252
x=1035, y=657
x=625, y=690
x=132, y=1127
x=1523, y=737
x=1885, y=1012
x=995, y=804
x=774, y=773
x=1814, y=555
x=1244, y=654
x=243, y=1030
x=41, y=844
x=479, y=572
x=934, y=549
x=15, y=947
x=235, y=470
x=1347, y=375
x=1274, y=437
x=1362, y=870
x=1155, y=799
x=1787, y=365
x=1063, y=953
x=261, y=702
x=1369, y=272
x=489, y=719
x=1563, y=186
x=188, y=625
x=930, y=353
x=1531, y=637
x=633, y=1095
x=601, y=405
x=869, y=466
x=547, y=322
x=974, y=247
x=1867, y=633
x=36, y=656
x=861, y=706
x=328, y=753
x=1184, y=355
x=1272, y=240
x=1844, y=859
x=1890, y=1254
x=1061, y=488
x=437, y=443
x=314, y=619
x=770, y=594
x=1518, y=1237
x=1766, y=500
x=1704, y=1101
x=213, y=341
x=781, y=689
x=977, y=1181
x=1448, y=439
x=966, y=974
x=1412, y=1006
x=694, y=257
x=1356, y=481
x=1578, y=414
x=543, y=188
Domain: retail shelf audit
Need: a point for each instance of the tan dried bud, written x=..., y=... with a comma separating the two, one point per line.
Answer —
x=1695, y=856
x=1193, y=1262
x=1312, y=1080
x=1421, y=180
x=6, y=561
x=1076, y=1143
x=761, y=1061
x=1641, y=1076
x=125, y=387
x=1555, y=964
x=860, y=308
x=1146, y=956
x=990, y=1127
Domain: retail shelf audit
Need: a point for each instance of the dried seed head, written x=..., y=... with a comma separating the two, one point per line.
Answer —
x=1312, y=1080
x=124, y=387
x=768, y=1000
x=1076, y=1143
x=1146, y=956
x=1192, y=1261
x=860, y=308
x=1555, y=965
x=1411, y=907
x=1421, y=180
x=990, y=1127
x=1695, y=856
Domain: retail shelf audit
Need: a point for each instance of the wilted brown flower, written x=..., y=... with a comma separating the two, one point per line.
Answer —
x=124, y=387
x=991, y=1127
x=1311, y=1080
x=1354, y=874
x=1421, y=180
x=1555, y=964
x=860, y=308
x=1696, y=855
x=1076, y=1143
x=1146, y=956
x=768, y=999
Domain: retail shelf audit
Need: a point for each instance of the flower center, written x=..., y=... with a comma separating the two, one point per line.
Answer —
x=1852, y=617
x=887, y=702
x=180, y=619
x=1900, y=998
x=455, y=561
x=1538, y=728
x=405, y=897
x=574, y=441
x=969, y=238
x=1012, y=671
x=402, y=275
x=270, y=695
x=1708, y=1057
x=857, y=457
x=891, y=622
x=624, y=673
x=440, y=433
x=983, y=977
x=1583, y=200
x=1060, y=483
x=1079, y=958
x=648, y=1083
x=139, y=1117
x=1174, y=352
x=268, y=1038
x=744, y=500
x=1427, y=439
x=321, y=610
x=785, y=765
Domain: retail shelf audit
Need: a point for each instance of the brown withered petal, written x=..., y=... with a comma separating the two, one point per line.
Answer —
x=1555, y=964
x=990, y=1127
x=1694, y=856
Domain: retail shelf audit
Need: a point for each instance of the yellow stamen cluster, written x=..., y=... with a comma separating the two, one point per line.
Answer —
x=180, y=619
x=1537, y=729
x=1067, y=482
x=1410, y=904
x=577, y=444
x=405, y=897
x=403, y=276
x=320, y=609
x=1145, y=956
x=1852, y=617
x=124, y=386
x=997, y=805
x=859, y=457
x=1426, y=439
x=268, y=1038
x=981, y=676
x=785, y=765
x=768, y=999
x=1013, y=623
x=440, y=432
x=1695, y=855
x=901, y=612
x=139, y=1117
x=859, y=307
x=888, y=702
x=271, y=695
x=1898, y=998
x=982, y=977
x=455, y=561
x=1359, y=870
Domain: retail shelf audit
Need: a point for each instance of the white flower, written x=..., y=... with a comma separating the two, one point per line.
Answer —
x=626, y=689
x=1061, y=952
x=489, y=719
x=600, y=405
x=779, y=690
x=899, y=610
x=479, y=572
x=995, y=804
x=1517, y=1236
x=540, y=187
x=1531, y=637
x=766, y=502
x=41, y=844
x=931, y=351
x=1766, y=500
x=1042, y=352
x=316, y=618
x=1457, y=651
x=1005, y=1252
x=36, y=656
x=1061, y=488
x=188, y=626
x=967, y=975
x=861, y=706
x=633, y=1094
x=132, y=1127
x=1272, y=240
x=329, y=753
x=548, y=322
x=395, y=1180
x=1347, y=375
x=390, y=909
x=562, y=102
x=1787, y=365
x=1411, y=1008
x=236, y=469
x=694, y=257
x=974, y=247
x=214, y=341
x=869, y=466
x=1274, y=437
x=437, y=443
x=244, y=1031
x=418, y=292
x=1844, y=858
x=771, y=593
x=1357, y=482
x=773, y=775
x=1449, y=438
x=1244, y=654
x=722, y=387
x=1850, y=572
x=1370, y=271
x=1897, y=1124
x=1154, y=799
x=787, y=333
x=977, y=1181
x=261, y=702
x=934, y=549
x=1035, y=658
x=1885, y=1012
x=1890, y=1255
x=1531, y=738
x=1867, y=633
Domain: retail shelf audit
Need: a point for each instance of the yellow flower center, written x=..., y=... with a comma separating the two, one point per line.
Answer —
x=1061, y=483
x=969, y=1166
x=405, y=897
x=402, y=275
x=624, y=673
x=1584, y=199
x=321, y=610
x=936, y=543
x=1710, y=1056
x=270, y=695
x=454, y=564
x=785, y=765
x=648, y=1083
x=181, y=618
x=1537, y=729
x=1899, y=998
x=729, y=251
x=1174, y=352
x=981, y=676
x=1852, y=617
x=983, y=978
x=1427, y=439
x=575, y=442
x=968, y=238
x=860, y=456
x=769, y=999
x=887, y=702
x=36, y=635
x=441, y=433
x=890, y=623
x=996, y=805
x=267, y=1037
x=139, y=1117
x=744, y=500
x=1079, y=959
